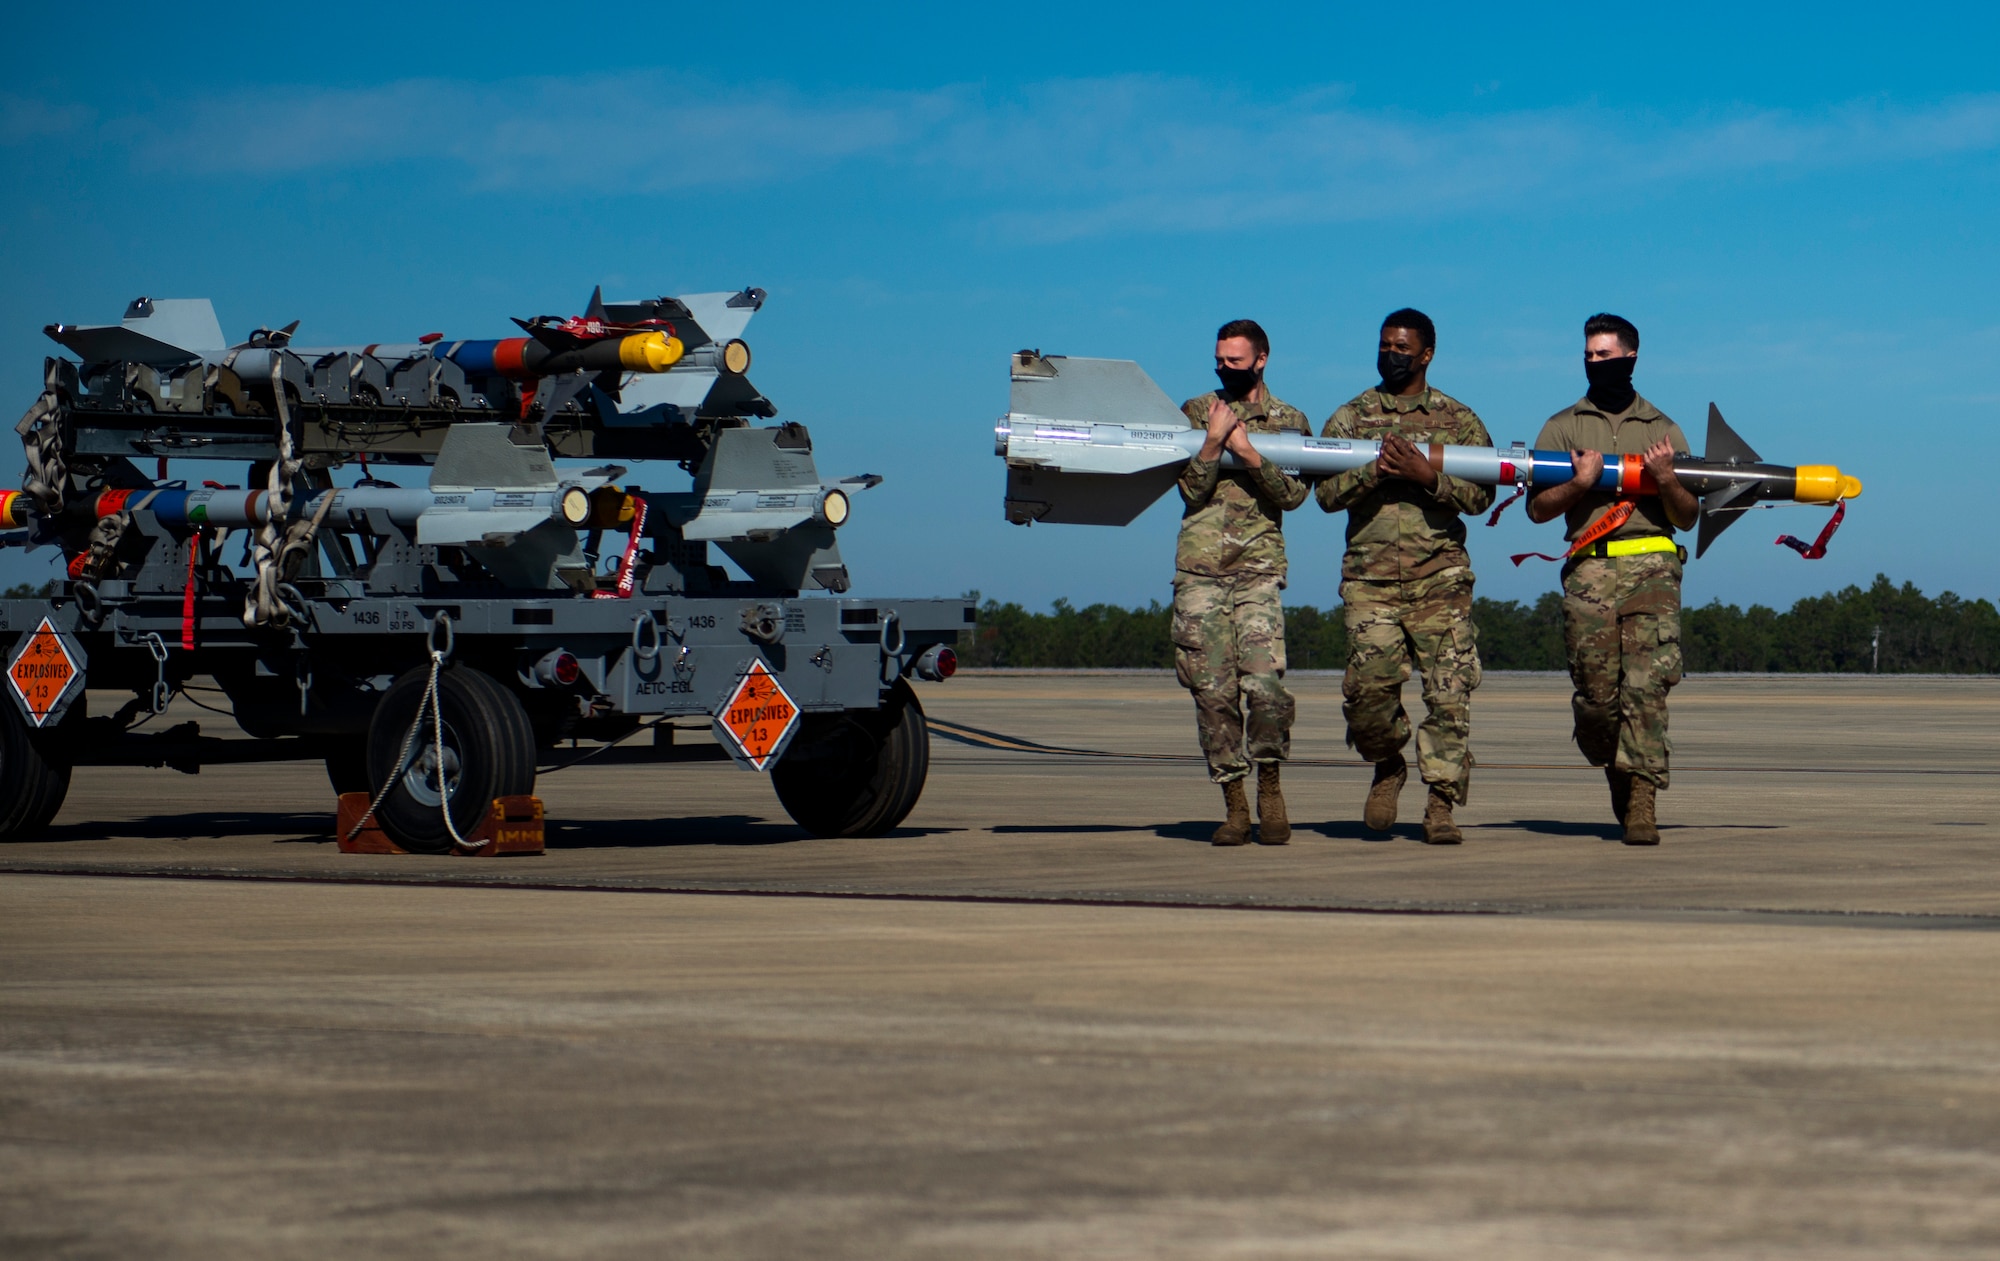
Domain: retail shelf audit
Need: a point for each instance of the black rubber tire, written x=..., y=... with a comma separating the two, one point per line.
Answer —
x=486, y=730
x=33, y=785
x=347, y=767
x=55, y=791
x=856, y=773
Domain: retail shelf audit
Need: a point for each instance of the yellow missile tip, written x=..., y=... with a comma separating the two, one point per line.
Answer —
x=1824, y=484
x=650, y=352
x=610, y=509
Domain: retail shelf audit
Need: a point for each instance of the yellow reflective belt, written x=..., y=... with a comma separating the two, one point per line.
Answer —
x=1635, y=547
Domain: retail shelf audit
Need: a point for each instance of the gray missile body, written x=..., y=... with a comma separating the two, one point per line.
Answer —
x=1096, y=442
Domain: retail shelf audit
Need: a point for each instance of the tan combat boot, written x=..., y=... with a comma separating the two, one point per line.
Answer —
x=1621, y=791
x=1438, y=827
x=1273, y=828
x=1641, y=828
x=1390, y=775
x=1235, y=829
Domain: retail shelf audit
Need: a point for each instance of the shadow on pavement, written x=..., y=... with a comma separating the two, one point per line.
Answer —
x=1610, y=831
x=291, y=827
x=1605, y=830
x=1188, y=830
x=725, y=829
x=1355, y=830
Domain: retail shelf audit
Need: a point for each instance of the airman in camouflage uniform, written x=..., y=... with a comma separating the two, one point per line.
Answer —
x=1406, y=581
x=1229, y=573
x=1621, y=607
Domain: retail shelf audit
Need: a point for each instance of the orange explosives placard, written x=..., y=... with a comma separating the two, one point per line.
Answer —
x=758, y=715
x=42, y=671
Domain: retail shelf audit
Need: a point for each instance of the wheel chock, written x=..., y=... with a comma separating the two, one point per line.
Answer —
x=512, y=825
x=369, y=838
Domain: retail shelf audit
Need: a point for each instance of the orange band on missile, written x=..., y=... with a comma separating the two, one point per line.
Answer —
x=507, y=353
x=112, y=501
x=13, y=509
x=1633, y=479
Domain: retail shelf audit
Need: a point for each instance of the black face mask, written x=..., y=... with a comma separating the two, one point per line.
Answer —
x=1611, y=382
x=1397, y=369
x=1237, y=382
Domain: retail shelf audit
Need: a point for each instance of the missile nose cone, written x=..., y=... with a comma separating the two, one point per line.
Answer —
x=1823, y=484
x=650, y=352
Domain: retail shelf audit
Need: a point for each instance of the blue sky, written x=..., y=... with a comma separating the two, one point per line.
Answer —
x=1795, y=204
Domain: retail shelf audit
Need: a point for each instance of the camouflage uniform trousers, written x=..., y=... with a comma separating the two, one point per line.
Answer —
x=1622, y=632
x=1391, y=626
x=1229, y=650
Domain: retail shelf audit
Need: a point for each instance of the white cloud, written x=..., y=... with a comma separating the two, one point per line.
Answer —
x=27, y=118
x=605, y=134
x=1056, y=160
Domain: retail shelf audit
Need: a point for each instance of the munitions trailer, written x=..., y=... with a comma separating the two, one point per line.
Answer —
x=441, y=617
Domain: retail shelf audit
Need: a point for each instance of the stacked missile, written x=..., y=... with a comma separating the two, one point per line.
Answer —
x=453, y=512
x=179, y=362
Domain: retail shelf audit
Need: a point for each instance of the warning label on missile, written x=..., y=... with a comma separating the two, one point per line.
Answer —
x=42, y=671
x=758, y=715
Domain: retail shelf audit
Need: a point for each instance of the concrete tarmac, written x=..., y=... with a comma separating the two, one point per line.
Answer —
x=1045, y=1018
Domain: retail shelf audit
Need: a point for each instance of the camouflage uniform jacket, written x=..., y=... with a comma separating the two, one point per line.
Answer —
x=1397, y=530
x=1584, y=426
x=1233, y=522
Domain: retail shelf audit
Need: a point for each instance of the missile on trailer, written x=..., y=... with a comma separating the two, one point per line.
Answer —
x=510, y=506
x=165, y=381
x=1095, y=442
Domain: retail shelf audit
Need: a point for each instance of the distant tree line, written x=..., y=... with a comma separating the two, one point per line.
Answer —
x=1831, y=633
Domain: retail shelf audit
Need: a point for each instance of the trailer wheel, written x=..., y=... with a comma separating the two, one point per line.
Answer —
x=32, y=786
x=347, y=768
x=489, y=751
x=857, y=773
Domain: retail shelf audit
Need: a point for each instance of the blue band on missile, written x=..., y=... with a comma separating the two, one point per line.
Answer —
x=1551, y=467
x=476, y=358
x=169, y=506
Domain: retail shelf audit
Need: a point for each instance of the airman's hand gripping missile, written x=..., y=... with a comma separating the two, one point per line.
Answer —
x=1095, y=442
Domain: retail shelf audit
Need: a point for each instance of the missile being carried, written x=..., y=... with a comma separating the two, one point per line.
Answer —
x=1096, y=442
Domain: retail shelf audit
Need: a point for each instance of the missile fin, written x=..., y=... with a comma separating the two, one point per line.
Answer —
x=1721, y=509
x=595, y=309
x=110, y=343
x=157, y=331
x=1040, y=494
x=1725, y=444
x=1092, y=391
x=548, y=335
x=483, y=456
